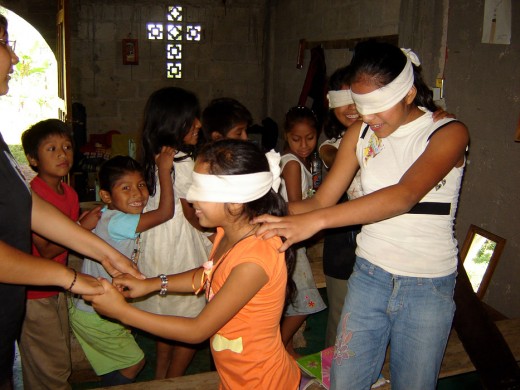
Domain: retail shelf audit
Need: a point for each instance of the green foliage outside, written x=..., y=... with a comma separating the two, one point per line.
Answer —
x=485, y=252
x=33, y=89
x=18, y=154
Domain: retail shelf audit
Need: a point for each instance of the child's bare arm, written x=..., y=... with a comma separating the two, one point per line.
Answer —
x=184, y=282
x=328, y=154
x=243, y=283
x=46, y=248
x=17, y=267
x=291, y=175
x=164, y=212
x=57, y=227
x=89, y=219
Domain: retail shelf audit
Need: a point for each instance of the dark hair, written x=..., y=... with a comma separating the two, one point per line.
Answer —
x=115, y=168
x=298, y=114
x=341, y=77
x=168, y=116
x=222, y=114
x=3, y=23
x=33, y=137
x=383, y=62
x=238, y=157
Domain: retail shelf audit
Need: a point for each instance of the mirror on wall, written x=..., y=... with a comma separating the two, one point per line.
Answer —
x=480, y=254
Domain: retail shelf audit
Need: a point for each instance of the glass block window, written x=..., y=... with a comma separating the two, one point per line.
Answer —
x=193, y=32
x=174, y=13
x=174, y=31
x=154, y=30
x=174, y=51
x=174, y=70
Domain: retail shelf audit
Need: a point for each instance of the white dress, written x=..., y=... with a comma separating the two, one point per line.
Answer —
x=307, y=299
x=172, y=247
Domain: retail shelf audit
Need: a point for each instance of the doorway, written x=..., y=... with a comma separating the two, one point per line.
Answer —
x=33, y=87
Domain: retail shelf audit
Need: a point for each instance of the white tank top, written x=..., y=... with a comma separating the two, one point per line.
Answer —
x=306, y=177
x=420, y=243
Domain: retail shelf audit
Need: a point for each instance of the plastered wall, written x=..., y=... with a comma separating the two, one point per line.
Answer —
x=250, y=52
x=228, y=61
x=292, y=20
x=483, y=90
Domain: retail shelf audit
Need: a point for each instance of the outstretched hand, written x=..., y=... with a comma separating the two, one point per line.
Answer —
x=441, y=114
x=131, y=287
x=89, y=218
x=111, y=303
x=293, y=228
x=120, y=266
x=86, y=284
x=164, y=159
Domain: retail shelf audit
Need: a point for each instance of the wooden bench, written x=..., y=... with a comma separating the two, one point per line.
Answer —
x=203, y=381
x=455, y=362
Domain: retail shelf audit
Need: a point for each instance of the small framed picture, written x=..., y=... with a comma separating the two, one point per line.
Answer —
x=130, y=52
x=480, y=254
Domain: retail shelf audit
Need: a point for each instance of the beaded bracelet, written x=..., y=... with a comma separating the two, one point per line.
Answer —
x=164, y=285
x=73, y=280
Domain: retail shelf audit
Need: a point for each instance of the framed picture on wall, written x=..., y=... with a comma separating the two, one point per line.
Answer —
x=480, y=254
x=130, y=52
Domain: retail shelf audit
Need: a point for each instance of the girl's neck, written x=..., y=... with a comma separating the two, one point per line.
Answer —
x=305, y=161
x=233, y=234
x=414, y=113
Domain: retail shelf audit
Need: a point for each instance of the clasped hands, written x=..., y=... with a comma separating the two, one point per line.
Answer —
x=112, y=301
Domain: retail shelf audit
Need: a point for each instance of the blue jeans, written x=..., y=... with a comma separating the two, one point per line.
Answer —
x=413, y=314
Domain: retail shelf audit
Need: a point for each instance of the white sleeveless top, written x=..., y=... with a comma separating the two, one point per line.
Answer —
x=418, y=244
x=306, y=177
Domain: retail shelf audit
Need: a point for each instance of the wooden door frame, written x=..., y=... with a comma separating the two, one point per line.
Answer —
x=63, y=59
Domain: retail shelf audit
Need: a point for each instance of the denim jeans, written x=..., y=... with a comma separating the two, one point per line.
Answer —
x=413, y=314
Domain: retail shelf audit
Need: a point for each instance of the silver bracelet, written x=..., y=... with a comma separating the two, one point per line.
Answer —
x=164, y=285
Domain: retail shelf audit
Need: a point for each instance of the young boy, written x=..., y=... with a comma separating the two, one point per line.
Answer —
x=225, y=118
x=109, y=346
x=45, y=331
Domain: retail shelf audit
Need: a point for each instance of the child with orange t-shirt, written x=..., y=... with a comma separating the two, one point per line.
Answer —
x=245, y=280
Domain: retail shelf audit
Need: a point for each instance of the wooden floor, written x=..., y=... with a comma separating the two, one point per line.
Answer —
x=204, y=381
x=455, y=362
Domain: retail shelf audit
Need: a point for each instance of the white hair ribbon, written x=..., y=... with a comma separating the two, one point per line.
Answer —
x=412, y=56
x=339, y=98
x=273, y=158
x=235, y=188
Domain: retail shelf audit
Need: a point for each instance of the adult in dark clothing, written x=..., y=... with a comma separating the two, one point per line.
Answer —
x=20, y=212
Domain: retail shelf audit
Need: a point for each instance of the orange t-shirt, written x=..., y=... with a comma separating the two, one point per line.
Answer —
x=248, y=350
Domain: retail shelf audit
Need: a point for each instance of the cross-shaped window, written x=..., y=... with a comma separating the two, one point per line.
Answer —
x=174, y=32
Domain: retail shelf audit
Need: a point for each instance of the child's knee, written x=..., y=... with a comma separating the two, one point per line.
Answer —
x=115, y=378
x=132, y=371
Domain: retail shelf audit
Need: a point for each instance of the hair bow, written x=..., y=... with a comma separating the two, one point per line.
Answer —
x=273, y=158
x=412, y=56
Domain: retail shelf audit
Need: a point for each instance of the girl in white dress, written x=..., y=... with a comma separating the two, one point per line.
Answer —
x=301, y=135
x=171, y=118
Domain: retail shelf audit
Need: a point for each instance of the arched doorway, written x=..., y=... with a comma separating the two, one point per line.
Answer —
x=33, y=87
